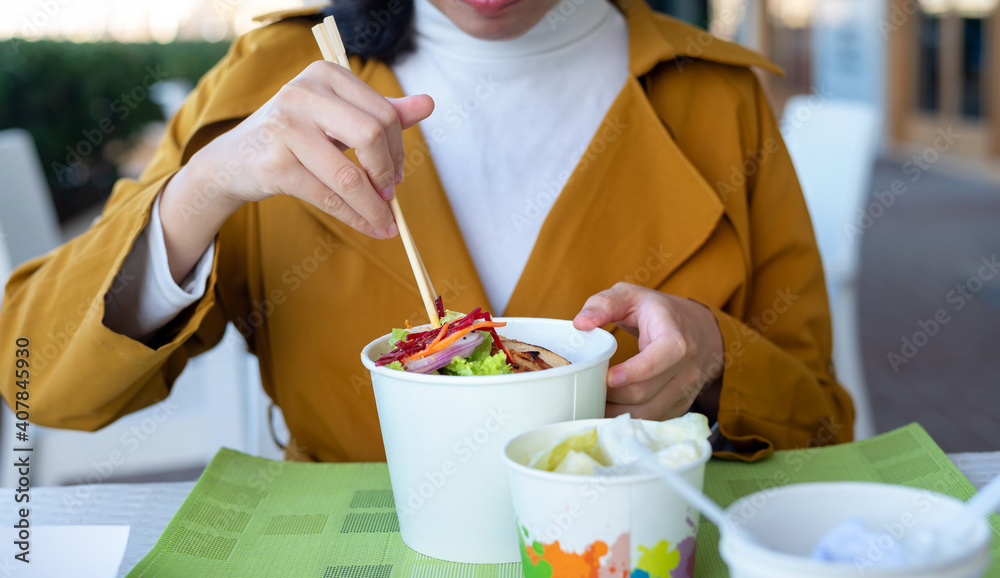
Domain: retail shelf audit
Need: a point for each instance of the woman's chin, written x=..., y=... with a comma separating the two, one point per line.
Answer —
x=496, y=29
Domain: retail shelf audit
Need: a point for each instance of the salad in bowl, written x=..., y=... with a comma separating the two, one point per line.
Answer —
x=465, y=344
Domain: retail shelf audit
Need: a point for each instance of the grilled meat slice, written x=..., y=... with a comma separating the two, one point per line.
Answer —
x=529, y=357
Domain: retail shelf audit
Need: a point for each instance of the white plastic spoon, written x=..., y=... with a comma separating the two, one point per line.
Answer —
x=692, y=495
x=934, y=543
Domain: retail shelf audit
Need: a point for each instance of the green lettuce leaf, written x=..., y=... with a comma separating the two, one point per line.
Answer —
x=482, y=351
x=489, y=365
x=397, y=336
x=450, y=315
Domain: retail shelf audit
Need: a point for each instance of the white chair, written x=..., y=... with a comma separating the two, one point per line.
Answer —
x=5, y=267
x=28, y=217
x=834, y=144
x=28, y=228
x=217, y=401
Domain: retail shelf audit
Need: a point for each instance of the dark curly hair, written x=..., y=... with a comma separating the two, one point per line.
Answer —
x=378, y=29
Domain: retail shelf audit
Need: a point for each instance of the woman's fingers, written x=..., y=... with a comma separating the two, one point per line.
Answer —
x=662, y=354
x=665, y=403
x=303, y=184
x=614, y=305
x=346, y=181
x=412, y=109
x=382, y=125
x=323, y=112
x=344, y=122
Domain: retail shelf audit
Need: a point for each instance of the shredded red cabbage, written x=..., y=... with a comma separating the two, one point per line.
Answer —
x=418, y=341
x=496, y=339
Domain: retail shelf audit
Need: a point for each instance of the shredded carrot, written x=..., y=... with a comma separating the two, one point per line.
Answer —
x=408, y=326
x=436, y=345
x=444, y=330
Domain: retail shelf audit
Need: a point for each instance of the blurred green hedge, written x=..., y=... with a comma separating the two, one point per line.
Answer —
x=77, y=99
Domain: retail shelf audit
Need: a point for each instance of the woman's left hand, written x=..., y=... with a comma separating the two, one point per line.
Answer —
x=680, y=350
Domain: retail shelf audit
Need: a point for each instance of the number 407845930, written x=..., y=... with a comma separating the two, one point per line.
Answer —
x=22, y=377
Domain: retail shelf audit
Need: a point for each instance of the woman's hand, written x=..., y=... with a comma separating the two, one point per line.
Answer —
x=680, y=346
x=294, y=145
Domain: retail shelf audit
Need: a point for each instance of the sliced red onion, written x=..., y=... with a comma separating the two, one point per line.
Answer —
x=463, y=347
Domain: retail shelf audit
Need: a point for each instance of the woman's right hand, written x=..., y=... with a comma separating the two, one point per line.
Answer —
x=294, y=145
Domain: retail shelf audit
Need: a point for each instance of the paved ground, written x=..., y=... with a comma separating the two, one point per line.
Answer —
x=934, y=237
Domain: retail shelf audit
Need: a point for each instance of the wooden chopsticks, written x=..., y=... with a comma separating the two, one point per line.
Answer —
x=332, y=47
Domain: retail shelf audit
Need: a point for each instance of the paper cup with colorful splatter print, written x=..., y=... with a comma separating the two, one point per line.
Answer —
x=630, y=525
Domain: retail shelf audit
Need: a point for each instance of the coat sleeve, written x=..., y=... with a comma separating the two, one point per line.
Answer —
x=83, y=375
x=778, y=389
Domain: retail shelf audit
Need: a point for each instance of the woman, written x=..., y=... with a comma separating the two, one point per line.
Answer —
x=587, y=160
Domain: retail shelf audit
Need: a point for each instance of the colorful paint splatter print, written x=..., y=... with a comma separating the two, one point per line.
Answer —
x=599, y=561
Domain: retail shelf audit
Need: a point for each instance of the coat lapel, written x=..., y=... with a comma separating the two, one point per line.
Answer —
x=634, y=210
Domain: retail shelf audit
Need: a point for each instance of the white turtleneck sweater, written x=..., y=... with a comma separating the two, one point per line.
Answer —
x=511, y=121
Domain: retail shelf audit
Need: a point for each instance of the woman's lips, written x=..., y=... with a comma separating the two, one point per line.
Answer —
x=490, y=7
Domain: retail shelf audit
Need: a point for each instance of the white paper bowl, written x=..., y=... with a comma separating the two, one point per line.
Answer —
x=444, y=436
x=789, y=521
x=643, y=527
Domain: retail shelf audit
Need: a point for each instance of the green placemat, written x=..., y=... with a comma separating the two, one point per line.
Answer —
x=250, y=516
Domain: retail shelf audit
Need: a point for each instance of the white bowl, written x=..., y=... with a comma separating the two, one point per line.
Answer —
x=444, y=435
x=789, y=521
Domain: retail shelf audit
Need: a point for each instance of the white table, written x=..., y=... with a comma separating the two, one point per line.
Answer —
x=147, y=508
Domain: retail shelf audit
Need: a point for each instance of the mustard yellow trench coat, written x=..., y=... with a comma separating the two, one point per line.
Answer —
x=686, y=188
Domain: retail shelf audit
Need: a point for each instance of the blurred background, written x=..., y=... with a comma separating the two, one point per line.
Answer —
x=890, y=108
